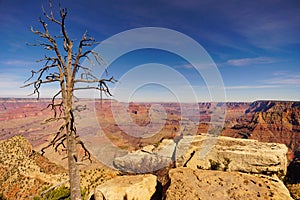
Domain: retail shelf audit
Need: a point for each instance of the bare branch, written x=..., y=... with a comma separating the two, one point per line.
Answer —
x=53, y=119
x=81, y=163
x=80, y=108
x=57, y=140
x=45, y=45
x=87, y=155
x=38, y=83
x=60, y=130
x=54, y=106
x=112, y=80
x=61, y=143
x=51, y=16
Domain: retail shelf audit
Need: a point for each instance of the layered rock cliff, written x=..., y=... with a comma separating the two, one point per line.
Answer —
x=270, y=121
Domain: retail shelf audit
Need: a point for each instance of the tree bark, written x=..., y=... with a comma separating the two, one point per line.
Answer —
x=73, y=168
x=71, y=131
x=74, y=175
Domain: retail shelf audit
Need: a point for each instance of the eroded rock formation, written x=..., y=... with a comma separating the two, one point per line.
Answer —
x=270, y=121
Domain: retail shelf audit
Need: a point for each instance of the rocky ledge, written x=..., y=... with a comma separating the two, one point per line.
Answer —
x=205, y=168
x=207, y=184
x=231, y=154
x=208, y=152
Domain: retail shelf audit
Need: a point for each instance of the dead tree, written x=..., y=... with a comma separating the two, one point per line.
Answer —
x=65, y=68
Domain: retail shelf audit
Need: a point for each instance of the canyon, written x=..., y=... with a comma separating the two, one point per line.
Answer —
x=148, y=131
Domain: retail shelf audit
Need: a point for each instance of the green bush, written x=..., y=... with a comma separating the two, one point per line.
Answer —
x=58, y=194
x=214, y=165
x=226, y=163
x=1, y=197
x=61, y=193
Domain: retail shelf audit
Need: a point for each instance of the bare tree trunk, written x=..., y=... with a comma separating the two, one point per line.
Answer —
x=74, y=175
x=73, y=168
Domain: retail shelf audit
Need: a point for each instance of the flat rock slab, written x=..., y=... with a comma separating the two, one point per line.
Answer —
x=231, y=154
x=208, y=184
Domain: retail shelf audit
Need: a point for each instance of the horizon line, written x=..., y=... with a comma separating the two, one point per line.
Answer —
x=106, y=99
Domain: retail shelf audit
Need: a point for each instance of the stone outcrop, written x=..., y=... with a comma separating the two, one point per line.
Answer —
x=230, y=154
x=208, y=184
x=138, y=187
x=149, y=159
x=208, y=152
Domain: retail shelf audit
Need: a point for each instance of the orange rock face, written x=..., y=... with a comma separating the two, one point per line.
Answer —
x=25, y=117
x=270, y=121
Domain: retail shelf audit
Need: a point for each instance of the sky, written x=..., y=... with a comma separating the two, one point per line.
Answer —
x=254, y=46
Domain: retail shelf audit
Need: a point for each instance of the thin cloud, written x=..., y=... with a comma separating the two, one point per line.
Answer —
x=9, y=81
x=17, y=62
x=268, y=25
x=289, y=79
x=250, y=61
x=197, y=65
x=271, y=32
x=280, y=73
x=10, y=86
x=264, y=26
x=251, y=87
x=281, y=79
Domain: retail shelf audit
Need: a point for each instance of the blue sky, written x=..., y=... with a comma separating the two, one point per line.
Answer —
x=255, y=44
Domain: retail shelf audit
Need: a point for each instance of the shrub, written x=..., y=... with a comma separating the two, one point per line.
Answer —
x=1, y=197
x=226, y=163
x=214, y=165
x=59, y=193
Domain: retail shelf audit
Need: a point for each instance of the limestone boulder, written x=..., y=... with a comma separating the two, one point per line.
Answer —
x=187, y=183
x=231, y=154
x=138, y=187
x=149, y=159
